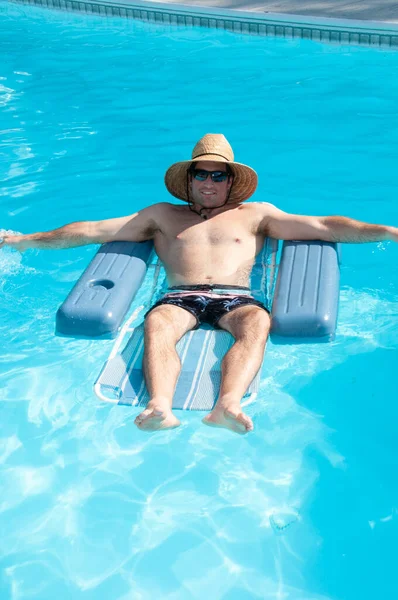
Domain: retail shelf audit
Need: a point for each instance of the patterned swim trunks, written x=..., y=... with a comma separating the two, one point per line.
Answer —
x=206, y=308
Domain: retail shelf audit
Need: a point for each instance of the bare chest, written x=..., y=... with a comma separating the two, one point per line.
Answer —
x=219, y=231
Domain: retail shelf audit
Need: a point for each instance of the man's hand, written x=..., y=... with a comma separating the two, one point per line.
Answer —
x=18, y=242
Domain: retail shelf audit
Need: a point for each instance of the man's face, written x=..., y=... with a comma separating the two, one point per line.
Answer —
x=209, y=193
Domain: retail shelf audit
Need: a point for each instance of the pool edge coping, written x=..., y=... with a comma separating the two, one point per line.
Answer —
x=324, y=29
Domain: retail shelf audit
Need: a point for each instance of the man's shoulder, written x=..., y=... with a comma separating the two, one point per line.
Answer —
x=162, y=214
x=162, y=207
x=158, y=210
x=261, y=206
x=259, y=210
x=259, y=215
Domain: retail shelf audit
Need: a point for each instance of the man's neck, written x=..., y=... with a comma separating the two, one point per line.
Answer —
x=208, y=212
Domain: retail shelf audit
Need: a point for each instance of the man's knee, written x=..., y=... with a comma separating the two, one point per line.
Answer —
x=159, y=320
x=168, y=321
x=255, y=326
x=251, y=324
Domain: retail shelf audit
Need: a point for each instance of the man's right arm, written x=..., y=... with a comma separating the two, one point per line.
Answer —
x=138, y=227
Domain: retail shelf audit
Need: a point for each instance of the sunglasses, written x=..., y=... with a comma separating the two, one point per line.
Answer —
x=216, y=176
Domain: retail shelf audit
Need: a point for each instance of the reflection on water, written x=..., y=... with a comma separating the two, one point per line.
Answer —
x=188, y=513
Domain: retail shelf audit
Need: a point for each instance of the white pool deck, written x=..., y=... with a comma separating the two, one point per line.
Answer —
x=385, y=11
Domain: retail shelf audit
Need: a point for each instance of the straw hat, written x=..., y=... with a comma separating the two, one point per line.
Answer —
x=212, y=147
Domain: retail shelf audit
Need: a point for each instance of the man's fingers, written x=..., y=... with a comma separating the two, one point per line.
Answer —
x=14, y=241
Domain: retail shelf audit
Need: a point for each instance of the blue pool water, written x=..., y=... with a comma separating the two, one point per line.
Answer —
x=92, y=112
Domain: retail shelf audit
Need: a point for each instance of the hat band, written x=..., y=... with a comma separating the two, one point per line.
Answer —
x=212, y=154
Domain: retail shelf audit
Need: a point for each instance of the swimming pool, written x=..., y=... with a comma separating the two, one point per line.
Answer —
x=93, y=111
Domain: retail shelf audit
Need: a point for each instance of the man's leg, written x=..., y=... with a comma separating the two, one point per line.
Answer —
x=250, y=327
x=164, y=327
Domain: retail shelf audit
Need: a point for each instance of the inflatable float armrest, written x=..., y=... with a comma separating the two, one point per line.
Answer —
x=306, y=295
x=102, y=296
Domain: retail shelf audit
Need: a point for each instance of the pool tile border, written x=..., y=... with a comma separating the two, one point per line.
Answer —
x=337, y=31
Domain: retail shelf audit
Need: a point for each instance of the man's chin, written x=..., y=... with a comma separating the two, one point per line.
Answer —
x=209, y=202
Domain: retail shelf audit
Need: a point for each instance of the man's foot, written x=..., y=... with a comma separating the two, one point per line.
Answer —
x=156, y=417
x=229, y=418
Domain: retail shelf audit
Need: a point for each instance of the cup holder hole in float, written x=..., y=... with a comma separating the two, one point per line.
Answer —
x=102, y=283
x=305, y=299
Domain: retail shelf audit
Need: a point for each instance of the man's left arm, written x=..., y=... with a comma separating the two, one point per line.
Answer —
x=285, y=226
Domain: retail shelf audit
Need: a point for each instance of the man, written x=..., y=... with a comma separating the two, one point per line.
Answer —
x=208, y=247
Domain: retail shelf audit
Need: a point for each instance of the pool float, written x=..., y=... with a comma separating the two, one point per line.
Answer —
x=303, y=291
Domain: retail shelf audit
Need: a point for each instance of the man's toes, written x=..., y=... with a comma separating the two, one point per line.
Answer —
x=149, y=414
x=246, y=421
x=142, y=416
x=152, y=419
x=151, y=423
x=241, y=422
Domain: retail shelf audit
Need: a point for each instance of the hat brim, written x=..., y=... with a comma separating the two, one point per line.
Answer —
x=244, y=184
